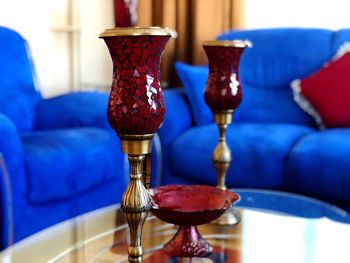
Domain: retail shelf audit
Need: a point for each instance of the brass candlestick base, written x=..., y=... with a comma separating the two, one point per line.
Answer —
x=136, y=202
x=231, y=217
x=222, y=159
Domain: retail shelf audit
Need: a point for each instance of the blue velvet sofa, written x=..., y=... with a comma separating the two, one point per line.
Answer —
x=274, y=144
x=58, y=156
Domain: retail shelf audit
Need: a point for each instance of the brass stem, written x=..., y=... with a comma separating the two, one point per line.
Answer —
x=222, y=132
x=222, y=154
x=147, y=166
x=135, y=204
x=222, y=159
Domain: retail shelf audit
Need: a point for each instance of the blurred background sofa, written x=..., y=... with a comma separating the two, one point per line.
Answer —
x=274, y=144
x=59, y=158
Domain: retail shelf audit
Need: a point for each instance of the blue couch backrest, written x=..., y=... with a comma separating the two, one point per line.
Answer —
x=279, y=56
x=18, y=96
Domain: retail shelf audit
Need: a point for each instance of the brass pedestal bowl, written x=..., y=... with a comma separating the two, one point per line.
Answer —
x=188, y=206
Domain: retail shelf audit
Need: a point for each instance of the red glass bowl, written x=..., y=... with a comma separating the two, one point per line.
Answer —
x=189, y=206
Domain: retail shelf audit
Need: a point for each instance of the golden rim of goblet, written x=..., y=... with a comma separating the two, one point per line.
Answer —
x=228, y=43
x=136, y=31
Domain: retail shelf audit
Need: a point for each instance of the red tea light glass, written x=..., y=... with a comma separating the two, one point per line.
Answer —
x=135, y=111
x=223, y=95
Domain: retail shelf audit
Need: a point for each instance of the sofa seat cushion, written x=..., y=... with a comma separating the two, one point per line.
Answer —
x=66, y=162
x=259, y=152
x=318, y=165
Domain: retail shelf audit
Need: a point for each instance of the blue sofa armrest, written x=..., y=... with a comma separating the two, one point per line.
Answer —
x=178, y=116
x=12, y=181
x=78, y=109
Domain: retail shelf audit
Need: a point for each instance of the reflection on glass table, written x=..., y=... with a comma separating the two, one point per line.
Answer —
x=275, y=227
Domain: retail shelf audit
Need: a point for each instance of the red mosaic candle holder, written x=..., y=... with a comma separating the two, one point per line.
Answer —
x=223, y=90
x=135, y=111
x=223, y=95
x=136, y=104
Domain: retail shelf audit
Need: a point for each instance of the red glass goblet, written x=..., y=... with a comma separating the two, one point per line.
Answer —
x=136, y=104
x=189, y=206
x=223, y=89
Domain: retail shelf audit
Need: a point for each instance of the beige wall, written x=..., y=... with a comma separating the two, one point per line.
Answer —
x=63, y=36
x=32, y=19
x=96, y=65
x=297, y=13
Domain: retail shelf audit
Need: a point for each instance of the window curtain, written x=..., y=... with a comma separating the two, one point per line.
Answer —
x=193, y=20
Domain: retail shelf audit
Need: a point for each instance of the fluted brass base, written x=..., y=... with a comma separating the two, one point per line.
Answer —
x=136, y=202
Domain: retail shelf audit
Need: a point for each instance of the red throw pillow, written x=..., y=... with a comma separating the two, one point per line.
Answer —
x=325, y=94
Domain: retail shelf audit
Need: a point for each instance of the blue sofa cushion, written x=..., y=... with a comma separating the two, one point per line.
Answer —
x=318, y=165
x=259, y=152
x=18, y=94
x=81, y=109
x=266, y=70
x=193, y=80
x=340, y=37
x=66, y=162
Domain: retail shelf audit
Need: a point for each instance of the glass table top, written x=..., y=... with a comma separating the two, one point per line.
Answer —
x=274, y=227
